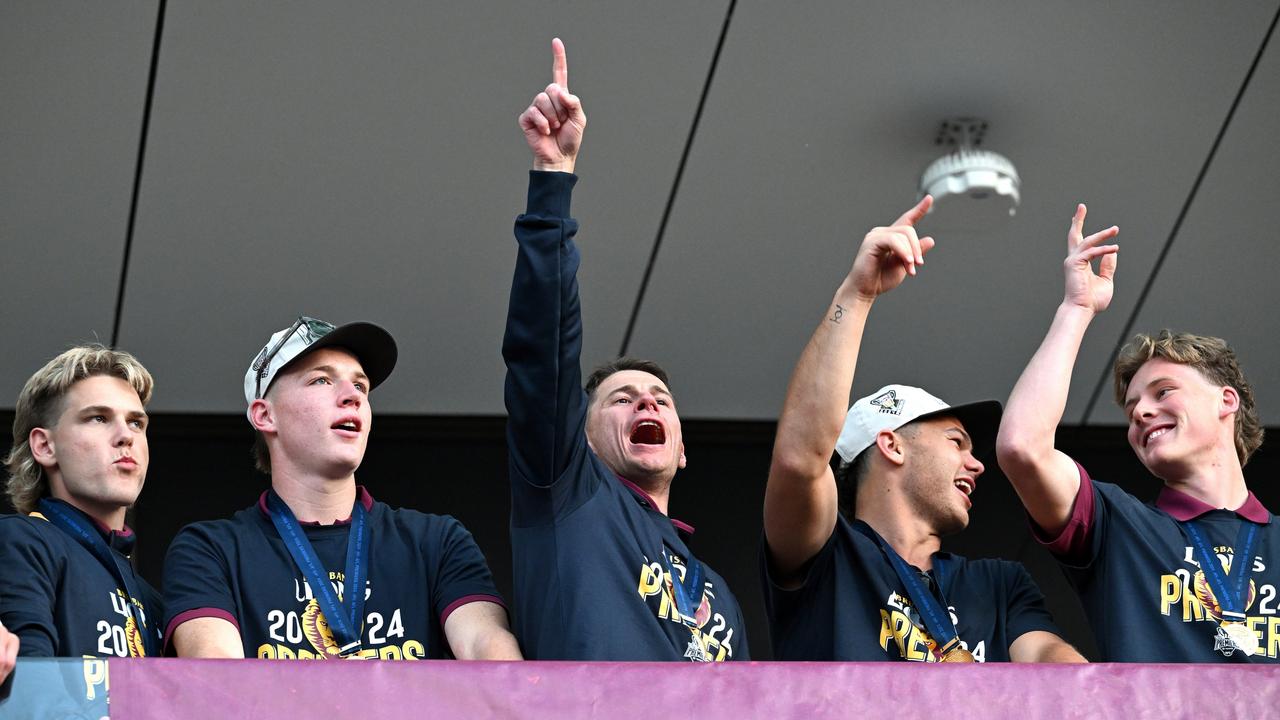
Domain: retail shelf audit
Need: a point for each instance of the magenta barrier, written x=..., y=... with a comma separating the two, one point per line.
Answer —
x=198, y=689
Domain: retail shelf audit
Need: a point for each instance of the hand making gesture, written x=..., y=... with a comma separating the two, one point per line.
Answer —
x=889, y=254
x=554, y=121
x=1084, y=288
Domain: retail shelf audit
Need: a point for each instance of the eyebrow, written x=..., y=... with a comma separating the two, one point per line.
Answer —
x=961, y=430
x=334, y=371
x=632, y=389
x=103, y=409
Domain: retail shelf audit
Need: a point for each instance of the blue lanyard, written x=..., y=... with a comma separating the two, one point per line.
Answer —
x=936, y=618
x=688, y=592
x=1231, y=590
x=346, y=626
x=63, y=517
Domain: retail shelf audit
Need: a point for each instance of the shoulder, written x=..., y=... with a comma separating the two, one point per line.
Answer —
x=24, y=531
x=221, y=531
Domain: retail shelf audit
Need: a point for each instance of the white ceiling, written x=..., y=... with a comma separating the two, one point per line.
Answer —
x=362, y=162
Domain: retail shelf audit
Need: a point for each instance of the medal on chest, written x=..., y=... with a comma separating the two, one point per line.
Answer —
x=1225, y=590
x=690, y=597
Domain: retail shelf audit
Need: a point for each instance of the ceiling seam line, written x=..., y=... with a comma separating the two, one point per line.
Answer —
x=1177, y=224
x=137, y=172
x=675, y=185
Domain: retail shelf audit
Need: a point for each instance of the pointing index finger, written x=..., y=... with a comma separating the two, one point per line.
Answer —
x=559, y=64
x=915, y=214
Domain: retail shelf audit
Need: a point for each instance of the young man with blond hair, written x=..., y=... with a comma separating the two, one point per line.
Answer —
x=78, y=462
x=316, y=568
x=1192, y=576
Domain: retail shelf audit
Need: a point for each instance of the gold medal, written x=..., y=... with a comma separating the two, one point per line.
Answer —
x=1245, y=640
x=955, y=652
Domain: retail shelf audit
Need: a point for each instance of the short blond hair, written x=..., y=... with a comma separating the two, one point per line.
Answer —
x=40, y=404
x=1216, y=362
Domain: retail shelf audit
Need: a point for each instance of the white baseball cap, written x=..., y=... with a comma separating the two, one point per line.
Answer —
x=372, y=346
x=893, y=406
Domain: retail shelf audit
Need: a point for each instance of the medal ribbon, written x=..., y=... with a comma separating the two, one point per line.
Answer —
x=936, y=618
x=63, y=517
x=1232, y=590
x=346, y=626
x=689, y=592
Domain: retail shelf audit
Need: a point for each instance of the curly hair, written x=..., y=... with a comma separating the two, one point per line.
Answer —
x=40, y=404
x=1216, y=362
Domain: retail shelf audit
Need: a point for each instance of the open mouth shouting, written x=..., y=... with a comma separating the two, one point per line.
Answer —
x=648, y=432
x=966, y=487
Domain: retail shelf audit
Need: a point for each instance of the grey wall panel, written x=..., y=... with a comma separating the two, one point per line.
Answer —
x=817, y=128
x=73, y=79
x=1220, y=276
x=363, y=162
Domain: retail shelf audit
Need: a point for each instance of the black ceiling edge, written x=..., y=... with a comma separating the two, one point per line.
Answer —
x=1177, y=225
x=137, y=171
x=675, y=186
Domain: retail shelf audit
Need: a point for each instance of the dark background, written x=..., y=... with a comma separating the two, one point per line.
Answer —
x=201, y=468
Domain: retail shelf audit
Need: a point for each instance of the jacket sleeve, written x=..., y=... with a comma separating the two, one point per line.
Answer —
x=546, y=406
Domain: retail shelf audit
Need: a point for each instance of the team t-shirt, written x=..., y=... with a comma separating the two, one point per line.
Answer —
x=421, y=568
x=60, y=599
x=600, y=572
x=1140, y=579
x=852, y=606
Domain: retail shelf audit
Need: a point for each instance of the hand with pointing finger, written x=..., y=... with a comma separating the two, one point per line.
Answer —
x=554, y=121
x=1084, y=288
x=889, y=254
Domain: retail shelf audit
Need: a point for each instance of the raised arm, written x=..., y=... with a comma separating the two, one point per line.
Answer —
x=543, y=338
x=800, y=503
x=1045, y=478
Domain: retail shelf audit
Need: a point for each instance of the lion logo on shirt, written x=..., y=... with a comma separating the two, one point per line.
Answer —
x=316, y=628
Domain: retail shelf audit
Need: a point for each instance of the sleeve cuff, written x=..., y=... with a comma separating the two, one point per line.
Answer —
x=1073, y=543
x=467, y=600
x=192, y=615
x=550, y=193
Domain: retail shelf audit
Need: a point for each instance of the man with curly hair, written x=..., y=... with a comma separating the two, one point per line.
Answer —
x=1192, y=576
x=78, y=462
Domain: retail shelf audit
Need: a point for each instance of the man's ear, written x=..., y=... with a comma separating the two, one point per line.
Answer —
x=890, y=446
x=262, y=415
x=683, y=460
x=1230, y=401
x=42, y=449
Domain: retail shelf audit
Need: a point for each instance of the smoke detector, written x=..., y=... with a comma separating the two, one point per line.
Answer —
x=971, y=187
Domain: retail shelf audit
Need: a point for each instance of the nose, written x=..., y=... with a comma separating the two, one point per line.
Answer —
x=348, y=394
x=973, y=464
x=124, y=434
x=1141, y=409
x=647, y=401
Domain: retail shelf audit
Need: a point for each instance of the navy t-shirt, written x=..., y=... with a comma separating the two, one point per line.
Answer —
x=421, y=568
x=851, y=605
x=593, y=557
x=61, y=601
x=1140, y=581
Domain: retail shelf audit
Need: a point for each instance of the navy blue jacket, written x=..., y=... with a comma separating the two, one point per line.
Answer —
x=592, y=555
x=60, y=600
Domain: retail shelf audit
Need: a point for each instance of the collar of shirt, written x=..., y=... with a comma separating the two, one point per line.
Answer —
x=1183, y=507
x=647, y=500
x=122, y=540
x=361, y=494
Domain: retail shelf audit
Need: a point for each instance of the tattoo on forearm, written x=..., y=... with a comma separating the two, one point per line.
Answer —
x=839, y=313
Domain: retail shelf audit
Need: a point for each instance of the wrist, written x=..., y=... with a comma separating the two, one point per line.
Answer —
x=564, y=166
x=848, y=295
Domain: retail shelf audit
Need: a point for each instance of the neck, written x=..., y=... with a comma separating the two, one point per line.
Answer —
x=316, y=500
x=111, y=516
x=1217, y=480
x=909, y=535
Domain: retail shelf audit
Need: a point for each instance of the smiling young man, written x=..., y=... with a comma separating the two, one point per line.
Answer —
x=78, y=462
x=879, y=587
x=1193, y=576
x=601, y=571
x=274, y=581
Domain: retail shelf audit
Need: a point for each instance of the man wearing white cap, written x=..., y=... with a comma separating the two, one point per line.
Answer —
x=878, y=587
x=316, y=569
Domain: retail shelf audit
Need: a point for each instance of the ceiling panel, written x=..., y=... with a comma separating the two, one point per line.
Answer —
x=1220, y=275
x=818, y=126
x=73, y=78
x=363, y=162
